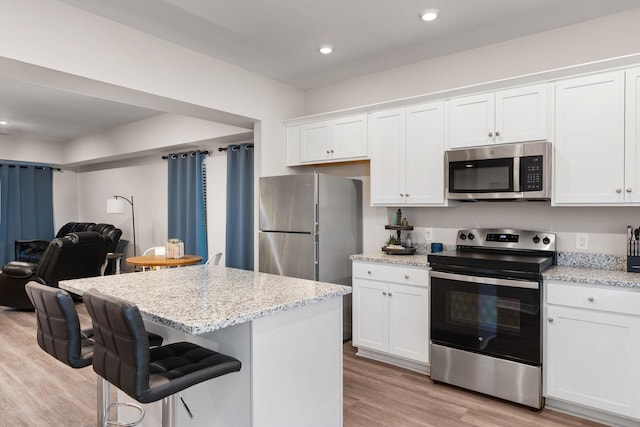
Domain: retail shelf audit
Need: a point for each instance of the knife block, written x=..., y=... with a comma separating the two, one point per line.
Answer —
x=633, y=264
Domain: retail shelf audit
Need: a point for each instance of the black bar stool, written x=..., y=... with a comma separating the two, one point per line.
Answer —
x=59, y=334
x=122, y=356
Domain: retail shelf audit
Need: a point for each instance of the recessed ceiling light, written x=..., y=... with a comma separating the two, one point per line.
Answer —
x=325, y=49
x=429, y=14
x=2, y=122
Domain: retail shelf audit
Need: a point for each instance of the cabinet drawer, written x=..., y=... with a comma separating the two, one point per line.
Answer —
x=388, y=273
x=617, y=300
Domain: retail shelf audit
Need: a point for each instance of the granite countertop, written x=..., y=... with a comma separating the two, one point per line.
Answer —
x=590, y=269
x=593, y=276
x=383, y=258
x=204, y=298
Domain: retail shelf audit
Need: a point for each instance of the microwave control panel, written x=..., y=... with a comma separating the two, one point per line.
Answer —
x=531, y=170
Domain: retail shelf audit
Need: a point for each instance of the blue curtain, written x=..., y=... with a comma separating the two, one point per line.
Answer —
x=187, y=209
x=26, y=206
x=239, y=230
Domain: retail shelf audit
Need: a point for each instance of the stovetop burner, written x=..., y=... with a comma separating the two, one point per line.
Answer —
x=499, y=250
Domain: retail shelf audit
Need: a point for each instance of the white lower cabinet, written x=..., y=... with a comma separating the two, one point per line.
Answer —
x=592, y=347
x=391, y=313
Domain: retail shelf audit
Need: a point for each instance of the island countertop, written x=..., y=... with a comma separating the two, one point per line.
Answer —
x=204, y=298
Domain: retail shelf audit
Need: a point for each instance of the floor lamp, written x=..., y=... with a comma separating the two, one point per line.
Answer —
x=116, y=205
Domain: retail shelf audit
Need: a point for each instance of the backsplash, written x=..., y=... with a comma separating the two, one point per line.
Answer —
x=592, y=260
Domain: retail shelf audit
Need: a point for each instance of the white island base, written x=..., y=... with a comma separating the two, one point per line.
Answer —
x=291, y=372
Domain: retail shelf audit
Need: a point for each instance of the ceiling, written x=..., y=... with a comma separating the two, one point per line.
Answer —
x=279, y=39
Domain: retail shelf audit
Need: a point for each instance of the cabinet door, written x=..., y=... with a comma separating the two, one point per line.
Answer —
x=522, y=114
x=370, y=315
x=387, y=133
x=315, y=140
x=632, y=137
x=350, y=138
x=589, y=140
x=409, y=322
x=592, y=359
x=471, y=121
x=424, y=154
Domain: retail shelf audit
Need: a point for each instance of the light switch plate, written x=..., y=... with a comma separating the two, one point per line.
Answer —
x=582, y=241
x=428, y=234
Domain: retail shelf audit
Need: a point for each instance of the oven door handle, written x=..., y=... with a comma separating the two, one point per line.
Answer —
x=485, y=280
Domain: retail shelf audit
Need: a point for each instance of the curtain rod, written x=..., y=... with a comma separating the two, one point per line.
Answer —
x=12, y=165
x=184, y=153
x=226, y=148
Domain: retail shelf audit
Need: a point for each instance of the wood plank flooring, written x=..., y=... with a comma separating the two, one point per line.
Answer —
x=38, y=391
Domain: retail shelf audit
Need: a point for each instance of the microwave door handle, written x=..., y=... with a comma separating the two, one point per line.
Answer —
x=516, y=174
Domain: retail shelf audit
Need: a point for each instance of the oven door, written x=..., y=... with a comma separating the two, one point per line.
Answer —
x=487, y=315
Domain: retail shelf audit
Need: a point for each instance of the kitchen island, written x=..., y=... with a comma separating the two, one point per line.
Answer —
x=287, y=333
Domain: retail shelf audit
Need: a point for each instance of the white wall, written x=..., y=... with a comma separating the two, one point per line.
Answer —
x=81, y=49
x=29, y=150
x=603, y=38
x=599, y=39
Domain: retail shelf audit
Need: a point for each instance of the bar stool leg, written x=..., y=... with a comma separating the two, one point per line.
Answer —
x=169, y=411
x=103, y=401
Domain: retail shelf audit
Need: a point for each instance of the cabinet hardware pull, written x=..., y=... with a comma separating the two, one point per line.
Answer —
x=401, y=194
x=497, y=133
x=618, y=190
x=590, y=299
x=407, y=194
x=629, y=190
x=550, y=319
x=368, y=271
x=327, y=151
x=406, y=276
x=389, y=293
x=331, y=151
x=490, y=134
x=384, y=293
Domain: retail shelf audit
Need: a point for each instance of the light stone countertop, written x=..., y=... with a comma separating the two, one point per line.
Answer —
x=582, y=272
x=204, y=298
x=384, y=258
x=593, y=276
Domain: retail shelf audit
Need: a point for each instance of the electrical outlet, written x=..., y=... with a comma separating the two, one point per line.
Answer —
x=582, y=241
x=428, y=234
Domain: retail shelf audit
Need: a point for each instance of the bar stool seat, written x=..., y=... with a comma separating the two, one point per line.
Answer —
x=59, y=334
x=122, y=356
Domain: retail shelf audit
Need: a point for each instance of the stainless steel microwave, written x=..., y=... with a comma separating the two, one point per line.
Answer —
x=519, y=171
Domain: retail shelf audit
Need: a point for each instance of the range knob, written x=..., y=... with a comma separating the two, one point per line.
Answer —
x=546, y=240
x=536, y=239
x=470, y=236
x=463, y=236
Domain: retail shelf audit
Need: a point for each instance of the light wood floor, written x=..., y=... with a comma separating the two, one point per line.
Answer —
x=37, y=390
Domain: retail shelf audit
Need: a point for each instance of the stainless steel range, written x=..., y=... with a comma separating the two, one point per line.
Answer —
x=486, y=300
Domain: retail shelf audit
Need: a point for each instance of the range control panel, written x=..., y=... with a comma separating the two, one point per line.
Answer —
x=507, y=239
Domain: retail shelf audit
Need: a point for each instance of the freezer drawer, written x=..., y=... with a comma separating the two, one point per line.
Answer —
x=288, y=254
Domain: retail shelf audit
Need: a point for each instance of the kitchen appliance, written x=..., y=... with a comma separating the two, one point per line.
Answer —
x=309, y=226
x=486, y=300
x=518, y=171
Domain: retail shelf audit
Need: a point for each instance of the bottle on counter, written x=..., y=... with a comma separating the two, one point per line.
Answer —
x=408, y=243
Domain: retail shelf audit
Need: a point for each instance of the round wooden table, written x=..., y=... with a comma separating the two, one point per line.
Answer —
x=161, y=261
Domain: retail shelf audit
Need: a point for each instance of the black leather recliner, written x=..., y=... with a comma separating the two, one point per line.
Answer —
x=32, y=250
x=74, y=256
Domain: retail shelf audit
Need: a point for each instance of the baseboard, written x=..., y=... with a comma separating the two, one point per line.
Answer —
x=411, y=365
x=590, y=414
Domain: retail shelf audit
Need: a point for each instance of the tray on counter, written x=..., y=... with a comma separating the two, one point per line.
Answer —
x=403, y=251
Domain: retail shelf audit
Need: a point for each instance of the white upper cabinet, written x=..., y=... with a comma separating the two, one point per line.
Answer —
x=407, y=156
x=336, y=140
x=589, y=143
x=513, y=115
x=632, y=137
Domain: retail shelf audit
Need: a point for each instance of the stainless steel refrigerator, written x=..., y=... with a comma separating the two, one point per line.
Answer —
x=309, y=225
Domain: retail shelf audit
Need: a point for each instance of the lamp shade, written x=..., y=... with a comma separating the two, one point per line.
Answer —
x=116, y=206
